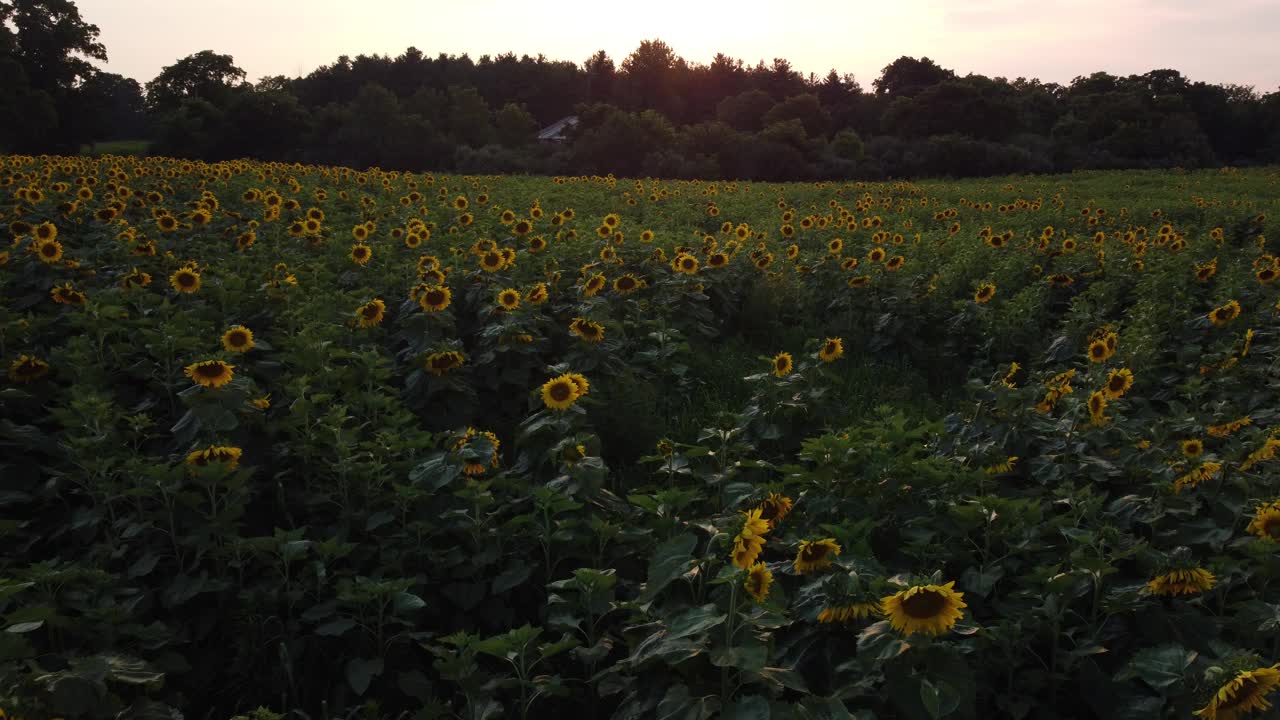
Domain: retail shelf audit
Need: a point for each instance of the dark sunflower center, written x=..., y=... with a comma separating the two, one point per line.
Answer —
x=1272, y=527
x=28, y=368
x=829, y=349
x=561, y=392
x=1116, y=384
x=781, y=363
x=755, y=583
x=925, y=604
x=435, y=297
x=238, y=339
x=49, y=250
x=213, y=370
x=814, y=553
x=1099, y=350
x=186, y=279
x=370, y=311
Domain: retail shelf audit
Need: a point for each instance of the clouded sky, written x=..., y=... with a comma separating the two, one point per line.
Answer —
x=1228, y=41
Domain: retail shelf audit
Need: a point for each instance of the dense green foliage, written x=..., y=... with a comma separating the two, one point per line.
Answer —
x=376, y=512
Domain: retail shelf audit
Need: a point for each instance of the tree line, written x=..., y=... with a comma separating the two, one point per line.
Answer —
x=654, y=114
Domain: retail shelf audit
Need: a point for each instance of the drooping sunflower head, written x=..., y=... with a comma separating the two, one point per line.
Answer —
x=27, y=369
x=782, y=364
x=815, y=555
x=238, y=339
x=212, y=374
x=66, y=294
x=371, y=313
x=774, y=508
x=1244, y=693
x=928, y=609
x=136, y=279
x=222, y=455
x=509, y=299
x=758, y=581
x=1185, y=581
x=832, y=350
x=441, y=363
x=560, y=393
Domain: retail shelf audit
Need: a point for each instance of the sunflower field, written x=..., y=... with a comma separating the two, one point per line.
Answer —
x=314, y=442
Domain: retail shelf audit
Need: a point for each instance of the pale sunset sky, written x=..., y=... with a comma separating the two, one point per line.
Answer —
x=1228, y=41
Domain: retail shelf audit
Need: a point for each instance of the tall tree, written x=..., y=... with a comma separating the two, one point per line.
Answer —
x=45, y=48
x=205, y=75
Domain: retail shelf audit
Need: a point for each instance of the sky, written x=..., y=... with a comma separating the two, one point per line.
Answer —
x=1227, y=41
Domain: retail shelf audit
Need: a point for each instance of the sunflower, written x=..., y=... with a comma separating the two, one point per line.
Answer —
x=1204, y=472
x=611, y=221
x=185, y=280
x=984, y=293
x=361, y=253
x=537, y=244
x=929, y=609
x=782, y=364
x=1097, y=406
x=815, y=555
x=441, y=363
x=136, y=279
x=229, y=457
x=1265, y=523
x=1192, y=448
x=749, y=541
x=1118, y=383
x=1098, y=351
x=592, y=332
x=835, y=245
x=774, y=508
x=49, y=251
x=522, y=228
x=509, y=299
x=1182, y=582
x=371, y=313
x=262, y=403
x=593, y=285
x=717, y=260
x=758, y=581
x=359, y=233
x=876, y=255
x=859, y=281
x=1242, y=694
x=27, y=368
x=832, y=350
x=435, y=298
x=238, y=339
x=460, y=203
x=579, y=381
x=895, y=263
x=1267, y=275
x=560, y=393
x=210, y=373
x=65, y=294
x=537, y=295
x=1228, y=429
x=685, y=263
x=1222, y=315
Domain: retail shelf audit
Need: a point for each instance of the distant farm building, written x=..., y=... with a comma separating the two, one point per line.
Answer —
x=558, y=130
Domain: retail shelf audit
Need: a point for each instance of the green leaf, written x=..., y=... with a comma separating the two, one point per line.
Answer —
x=361, y=672
x=334, y=628
x=407, y=602
x=747, y=708
x=939, y=700
x=744, y=657
x=879, y=642
x=694, y=621
x=1163, y=666
x=511, y=577
x=672, y=559
x=24, y=627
